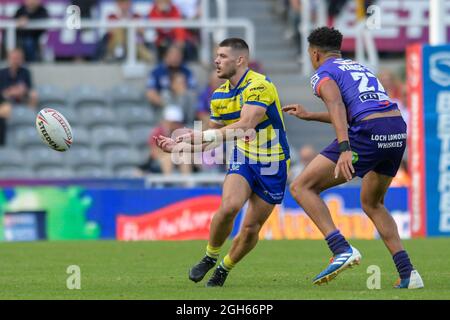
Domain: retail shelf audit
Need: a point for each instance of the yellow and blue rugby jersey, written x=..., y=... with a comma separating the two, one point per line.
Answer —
x=270, y=143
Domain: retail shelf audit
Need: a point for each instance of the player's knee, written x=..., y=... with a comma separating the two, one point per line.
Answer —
x=230, y=209
x=297, y=190
x=249, y=232
x=370, y=205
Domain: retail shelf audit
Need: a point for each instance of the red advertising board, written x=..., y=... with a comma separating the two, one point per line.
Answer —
x=416, y=150
x=184, y=220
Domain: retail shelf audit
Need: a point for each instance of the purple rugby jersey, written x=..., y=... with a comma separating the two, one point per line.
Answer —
x=362, y=93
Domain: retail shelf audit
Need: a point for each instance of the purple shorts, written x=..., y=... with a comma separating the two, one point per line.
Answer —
x=377, y=144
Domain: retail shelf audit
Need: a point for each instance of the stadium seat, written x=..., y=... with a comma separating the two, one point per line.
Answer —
x=54, y=173
x=10, y=157
x=108, y=136
x=43, y=157
x=139, y=135
x=81, y=157
x=22, y=116
x=120, y=157
x=16, y=173
x=26, y=137
x=97, y=116
x=81, y=137
x=87, y=96
x=126, y=172
x=52, y=96
x=93, y=172
x=126, y=94
x=136, y=115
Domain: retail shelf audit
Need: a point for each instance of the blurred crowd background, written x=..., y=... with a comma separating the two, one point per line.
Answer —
x=113, y=127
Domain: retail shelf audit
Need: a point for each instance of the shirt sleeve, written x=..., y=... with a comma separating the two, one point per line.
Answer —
x=318, y=79
x=258, y=93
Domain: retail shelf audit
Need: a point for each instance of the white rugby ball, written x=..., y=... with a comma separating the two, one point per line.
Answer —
x=54, y=129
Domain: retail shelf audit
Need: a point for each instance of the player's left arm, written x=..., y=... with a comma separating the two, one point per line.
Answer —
x=331, y=96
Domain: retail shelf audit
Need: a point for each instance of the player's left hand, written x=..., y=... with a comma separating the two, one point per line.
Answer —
x=344, y=166
x=166, y=144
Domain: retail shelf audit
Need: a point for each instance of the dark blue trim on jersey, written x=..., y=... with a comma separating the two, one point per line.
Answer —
x=263, y=125
x=215, y=118
x=231, y=116
x=257, y=103
x=277, y=123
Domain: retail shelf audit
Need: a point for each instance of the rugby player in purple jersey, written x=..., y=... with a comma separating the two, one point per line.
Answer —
x=370, y=142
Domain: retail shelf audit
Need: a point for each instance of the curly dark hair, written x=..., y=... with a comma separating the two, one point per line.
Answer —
x=326, y=39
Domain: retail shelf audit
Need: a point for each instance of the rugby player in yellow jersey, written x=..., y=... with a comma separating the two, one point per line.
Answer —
x=245, y=108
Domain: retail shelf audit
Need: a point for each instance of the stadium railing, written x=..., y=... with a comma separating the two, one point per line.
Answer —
x=207, y=25
x=365, y=48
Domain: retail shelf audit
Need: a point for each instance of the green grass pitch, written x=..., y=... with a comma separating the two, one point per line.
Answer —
x=158, y=270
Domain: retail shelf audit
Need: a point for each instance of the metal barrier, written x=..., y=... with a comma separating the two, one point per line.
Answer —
x=206, y=24
x=365, y=47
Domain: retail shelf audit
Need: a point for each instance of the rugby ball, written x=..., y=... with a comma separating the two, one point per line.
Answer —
x=54, y=129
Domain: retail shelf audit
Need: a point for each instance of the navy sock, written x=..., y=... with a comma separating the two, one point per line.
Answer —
x=337, y=243
x=403, y=264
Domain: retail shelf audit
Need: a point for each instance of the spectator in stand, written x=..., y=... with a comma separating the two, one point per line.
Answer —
x=28, y=40
x=402, y=178
x=204, y=99
x=5, y=112
x=16, y=84
x=159, y=79
x=179, y=95
x=306, y=154
x=159, y=161
x=166, y=37
x=85, y=7
x=190, y=9
x=115, y=40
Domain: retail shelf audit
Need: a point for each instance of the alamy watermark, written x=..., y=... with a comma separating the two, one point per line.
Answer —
x=236, y=147
x=73, y=282
x=374, y=280
x=73, y=17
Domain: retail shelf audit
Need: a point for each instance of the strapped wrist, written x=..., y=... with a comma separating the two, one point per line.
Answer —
x=209, y=135
x=344, y=146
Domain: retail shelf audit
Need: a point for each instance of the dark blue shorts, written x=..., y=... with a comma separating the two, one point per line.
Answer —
x=267, y=180
x=377, y=144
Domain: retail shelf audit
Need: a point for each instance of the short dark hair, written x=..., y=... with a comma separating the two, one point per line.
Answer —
x=326, y=39
x=235, y=44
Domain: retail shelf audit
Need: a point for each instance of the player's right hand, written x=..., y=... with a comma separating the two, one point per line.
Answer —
x=166, y=144
x=296, y=110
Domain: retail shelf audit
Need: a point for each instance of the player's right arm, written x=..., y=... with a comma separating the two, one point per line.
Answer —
x=330, y=93
x=297, y=110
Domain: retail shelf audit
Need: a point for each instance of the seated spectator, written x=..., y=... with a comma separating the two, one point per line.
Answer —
x=28, y=40
x=402, y=178
x=306, y=154
x=204, y=99
x=5, y=112
x=190, y=9
x=116, y=39
x=159, y=79
x=85, y=7
x=159, y=161
x=166, y=37
x=16, y=84
x=179, y=95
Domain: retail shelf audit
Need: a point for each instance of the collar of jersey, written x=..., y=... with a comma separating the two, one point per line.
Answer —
x=239, y=82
